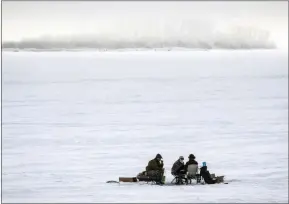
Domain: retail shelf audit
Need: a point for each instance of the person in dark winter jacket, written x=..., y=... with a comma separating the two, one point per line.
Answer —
x=155, y=168
x=155, y=164
x=208, y=178
x=191, y=161
x=178, y=167
x=206, y=175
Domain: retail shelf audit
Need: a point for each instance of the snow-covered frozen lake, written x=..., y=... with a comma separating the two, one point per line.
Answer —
x=74, y=120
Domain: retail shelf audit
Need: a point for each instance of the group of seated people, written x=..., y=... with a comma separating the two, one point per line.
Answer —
x=155, y=168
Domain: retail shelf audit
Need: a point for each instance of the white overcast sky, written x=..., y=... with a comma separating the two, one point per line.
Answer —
x=33, y=19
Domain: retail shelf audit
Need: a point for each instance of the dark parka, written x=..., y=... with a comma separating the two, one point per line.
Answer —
x=191, y=161
x=177, y=167
x=207, y=176
x=154, y=164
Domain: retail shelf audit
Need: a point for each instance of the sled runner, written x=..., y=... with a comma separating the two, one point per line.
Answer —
x=155, y=179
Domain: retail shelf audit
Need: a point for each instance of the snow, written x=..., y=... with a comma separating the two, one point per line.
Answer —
x=74, y=120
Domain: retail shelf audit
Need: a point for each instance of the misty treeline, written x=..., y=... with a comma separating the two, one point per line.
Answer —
x=236, y=38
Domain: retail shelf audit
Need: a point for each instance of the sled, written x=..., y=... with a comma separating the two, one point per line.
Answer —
x=153, y=179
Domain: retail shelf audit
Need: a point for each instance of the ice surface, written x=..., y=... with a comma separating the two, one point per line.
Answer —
x=72, y=121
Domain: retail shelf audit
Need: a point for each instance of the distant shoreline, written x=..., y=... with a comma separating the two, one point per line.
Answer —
x=135, y=50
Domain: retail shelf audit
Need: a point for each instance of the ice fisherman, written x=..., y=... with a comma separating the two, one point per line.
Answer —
x=209, y=178
x=155, y=167
x=191, y=161
x=178, y=167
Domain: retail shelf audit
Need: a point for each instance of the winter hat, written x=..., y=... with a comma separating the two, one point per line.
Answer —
x=159, y=156
x=191, y=156
x=181, y=157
